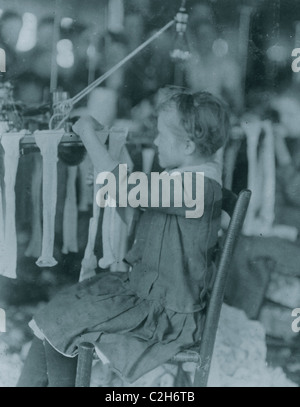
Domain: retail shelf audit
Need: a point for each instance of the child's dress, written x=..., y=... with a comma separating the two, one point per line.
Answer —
x=140, y=319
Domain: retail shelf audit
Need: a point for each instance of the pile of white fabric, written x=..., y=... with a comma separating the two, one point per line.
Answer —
x=15, y=342
x=283, y=294
x=11, y=365
x=239, y=358
x=240, y=354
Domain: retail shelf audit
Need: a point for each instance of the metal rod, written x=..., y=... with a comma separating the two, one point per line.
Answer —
x=28, y=144
x=71, y=102
x=102, y=78
x=70, y=138
x=54, y=67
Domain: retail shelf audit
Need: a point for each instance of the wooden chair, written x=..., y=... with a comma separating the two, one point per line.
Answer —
x=201, y=354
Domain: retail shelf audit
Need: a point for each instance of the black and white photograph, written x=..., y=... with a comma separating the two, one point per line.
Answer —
x=149, y=196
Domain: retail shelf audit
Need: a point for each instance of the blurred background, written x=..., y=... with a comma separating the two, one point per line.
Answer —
x=90, y=37
x=240, y=50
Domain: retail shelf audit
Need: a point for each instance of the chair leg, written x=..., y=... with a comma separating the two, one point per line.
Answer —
x=84, y=365
x=182, y=378
x=202, y=372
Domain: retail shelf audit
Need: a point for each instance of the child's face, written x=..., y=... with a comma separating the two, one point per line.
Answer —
x=170, y=140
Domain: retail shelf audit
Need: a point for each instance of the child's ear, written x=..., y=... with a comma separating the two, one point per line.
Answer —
x=190, y=147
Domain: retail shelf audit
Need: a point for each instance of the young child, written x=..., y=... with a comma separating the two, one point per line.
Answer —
x=139, y=320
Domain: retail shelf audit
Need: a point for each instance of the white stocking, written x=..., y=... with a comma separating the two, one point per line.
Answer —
x=84, y=170
x=47, y=142
x=11, y=146
x=262, y=182
x=268, y=191
x=89, y=262
x=70, y=217
x=108, y=227
x=85, y=197
x=107, y=99
x=123, y=225
x=34, y=248
x=252, y=130
x=1, y=216
x=267, y=212
x=114, y=228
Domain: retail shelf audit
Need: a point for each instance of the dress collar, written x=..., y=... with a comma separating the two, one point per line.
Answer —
x=211, y=170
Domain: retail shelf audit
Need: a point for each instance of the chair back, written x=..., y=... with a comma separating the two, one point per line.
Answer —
x=236, y=207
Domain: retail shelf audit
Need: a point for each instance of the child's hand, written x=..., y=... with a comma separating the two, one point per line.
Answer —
x=87, y=124
x=90, y=178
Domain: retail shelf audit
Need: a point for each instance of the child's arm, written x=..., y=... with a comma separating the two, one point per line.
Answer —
x=87, y=127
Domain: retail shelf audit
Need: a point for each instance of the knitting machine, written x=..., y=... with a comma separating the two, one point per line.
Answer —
x=13, y=138
x=10, y=116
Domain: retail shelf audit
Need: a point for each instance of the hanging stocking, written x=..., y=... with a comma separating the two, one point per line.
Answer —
x=267, y=212
x=11, y=146
x=107, y=99
x=108, y=225
x=3, y=129
x=85, y=168
x=1, y=208
x=47, y=142
x=34, y=248
x=85, y=195
x=122, y=224
x=252, y=130
x=262, y=182
x=114, y=228
x=268, y=192
x=111, y=224
x=70, y=218
x=89, y=262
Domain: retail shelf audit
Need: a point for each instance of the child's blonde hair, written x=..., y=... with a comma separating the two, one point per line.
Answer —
x=203, y=116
